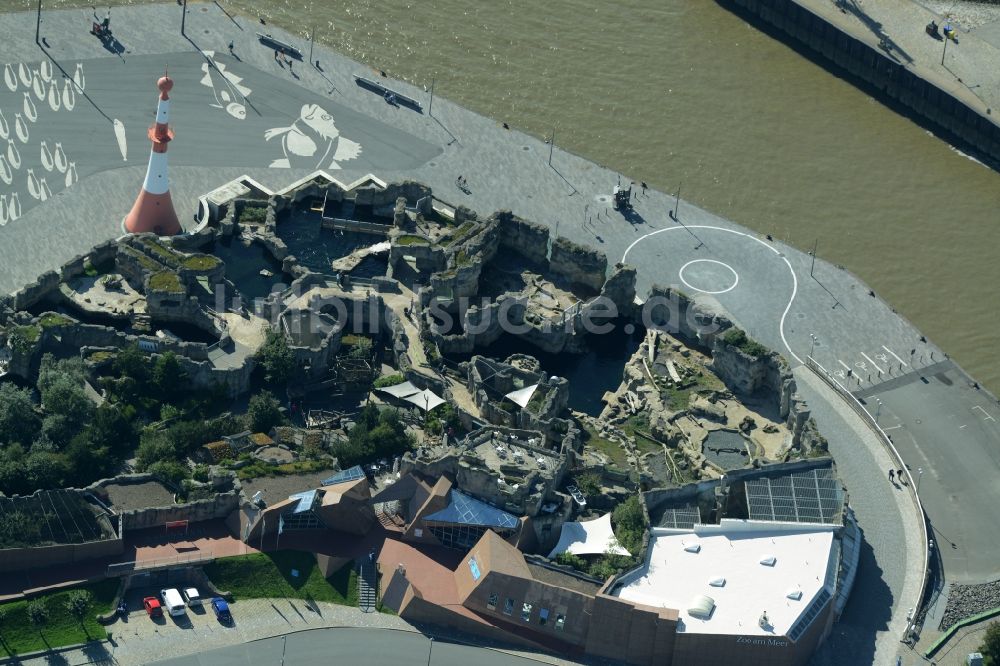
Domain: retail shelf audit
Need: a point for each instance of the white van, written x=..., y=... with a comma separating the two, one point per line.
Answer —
x=172, y=601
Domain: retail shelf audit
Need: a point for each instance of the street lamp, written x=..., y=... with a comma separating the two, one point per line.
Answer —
x=878, y=409
x=430, y=652
x=920, y=475
x=812, y=347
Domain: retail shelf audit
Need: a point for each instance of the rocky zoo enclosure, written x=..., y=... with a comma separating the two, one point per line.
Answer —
x=335, y=327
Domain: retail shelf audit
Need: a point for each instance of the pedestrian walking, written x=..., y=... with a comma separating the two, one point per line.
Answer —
x=231, y=48
x=902, y=479
x=276, y=56
x=644, y=187
x=892, y=475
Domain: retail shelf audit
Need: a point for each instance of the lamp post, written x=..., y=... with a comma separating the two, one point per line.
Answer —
x=920, y=475
x=878, y=409
x=38, y=23
x=430, y=107
x=812, y=347
x=430, y=652
x=677, y=203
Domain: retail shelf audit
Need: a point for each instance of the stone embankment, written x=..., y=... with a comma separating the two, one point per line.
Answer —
x=966, y=600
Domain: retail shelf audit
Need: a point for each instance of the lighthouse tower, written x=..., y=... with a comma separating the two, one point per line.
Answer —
x=153, y=210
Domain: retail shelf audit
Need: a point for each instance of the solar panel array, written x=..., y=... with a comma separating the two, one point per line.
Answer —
x=680, y=517
x=814, y=496
x=349, y=474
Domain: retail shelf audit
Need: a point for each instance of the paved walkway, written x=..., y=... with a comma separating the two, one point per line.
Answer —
x=780, y=298
x=966, y=69
x=314, y=633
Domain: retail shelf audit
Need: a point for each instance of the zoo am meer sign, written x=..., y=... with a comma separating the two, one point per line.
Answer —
x=762, y=641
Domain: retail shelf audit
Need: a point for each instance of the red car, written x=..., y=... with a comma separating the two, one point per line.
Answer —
x=152, y=606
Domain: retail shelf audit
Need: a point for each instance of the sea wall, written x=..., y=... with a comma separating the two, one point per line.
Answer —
x=905, y=84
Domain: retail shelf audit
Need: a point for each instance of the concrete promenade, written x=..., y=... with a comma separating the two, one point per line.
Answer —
x=779, y=297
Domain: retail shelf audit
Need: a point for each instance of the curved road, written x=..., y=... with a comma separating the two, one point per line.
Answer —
x=363, y=647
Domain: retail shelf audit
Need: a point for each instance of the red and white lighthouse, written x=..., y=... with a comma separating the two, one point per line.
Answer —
x=153, y=210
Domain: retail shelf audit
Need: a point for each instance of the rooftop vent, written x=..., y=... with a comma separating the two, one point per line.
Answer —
x=795, y=594
x=693, y=548
x=718, y=581
x=769, y=560
x=701, y=607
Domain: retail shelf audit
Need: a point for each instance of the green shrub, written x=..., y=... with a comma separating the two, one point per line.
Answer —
x=739, y=339
x=389, y=380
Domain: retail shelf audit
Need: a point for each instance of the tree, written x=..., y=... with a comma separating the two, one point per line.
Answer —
x=38, y=613
x=18, y=420
x=263, y=412
x=361, y=349
x=169, y=377
x=169, y=470
x=131, y=362
x=589, y=484
x=276, y=358
x=991, y=645
x=52, y=370
x=154, y=447
x=66, y=404
x=78, y=602
x=630, y=524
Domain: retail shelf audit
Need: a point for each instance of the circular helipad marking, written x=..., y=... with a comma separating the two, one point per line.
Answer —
x=715, y=277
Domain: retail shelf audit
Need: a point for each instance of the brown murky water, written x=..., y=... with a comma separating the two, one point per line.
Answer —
x=683, y=91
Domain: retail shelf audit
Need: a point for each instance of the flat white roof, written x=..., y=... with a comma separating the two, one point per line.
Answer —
x=724, y=562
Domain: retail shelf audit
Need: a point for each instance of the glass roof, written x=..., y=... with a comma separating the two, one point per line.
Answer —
x=465, y=510
x=349, y=474
x=305, y=501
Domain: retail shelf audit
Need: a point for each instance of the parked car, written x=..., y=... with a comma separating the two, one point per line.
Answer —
x=152, y=606
x=221, y=609
x=577, y=496
x=191, y=597
x=172, y=601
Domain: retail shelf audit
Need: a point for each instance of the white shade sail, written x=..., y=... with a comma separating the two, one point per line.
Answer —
x=594, y=537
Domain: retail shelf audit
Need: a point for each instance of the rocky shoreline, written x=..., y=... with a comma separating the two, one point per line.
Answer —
x=967, y=600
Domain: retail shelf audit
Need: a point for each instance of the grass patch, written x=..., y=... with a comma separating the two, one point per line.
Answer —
x=260, y=468
x=101, y=356
x=144, y=261
x=254, y=214
x=166, y=281
x=269, y=576
x=461, y=231
x=410, y=239
x=389, y=380
x=200, y=262
x=52, y=319
x=62, y=628
x=645, y=445
x=614, y=452
x=462, y=259
x=167, y=256
x=29, y=333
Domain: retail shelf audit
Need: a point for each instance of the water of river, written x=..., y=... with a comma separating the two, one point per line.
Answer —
x=685, y=92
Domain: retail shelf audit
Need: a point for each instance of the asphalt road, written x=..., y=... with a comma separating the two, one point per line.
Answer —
x=374, y=647
x=957, y=447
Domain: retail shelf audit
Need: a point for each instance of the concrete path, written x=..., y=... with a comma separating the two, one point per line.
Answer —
x=780, y=297
x=267, y=630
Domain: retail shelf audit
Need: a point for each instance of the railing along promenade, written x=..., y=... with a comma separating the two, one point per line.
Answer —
x=856, y=405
